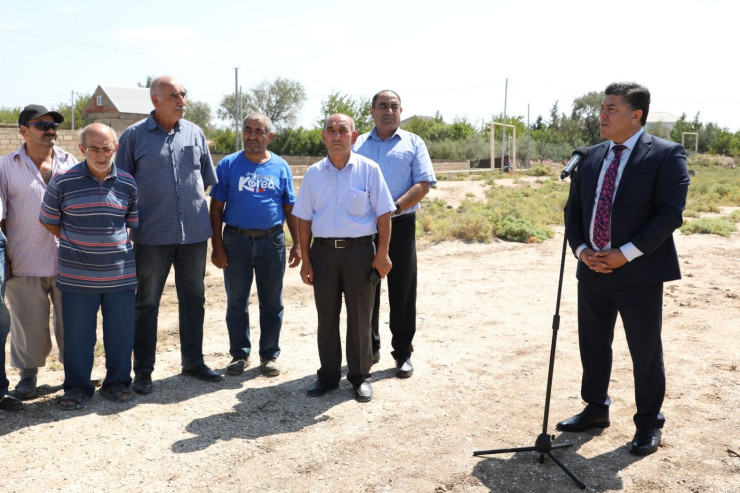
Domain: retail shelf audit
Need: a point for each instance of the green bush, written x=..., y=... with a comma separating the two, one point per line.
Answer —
x=707, y=225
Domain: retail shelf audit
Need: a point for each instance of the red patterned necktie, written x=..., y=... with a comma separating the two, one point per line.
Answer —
x=602, y=220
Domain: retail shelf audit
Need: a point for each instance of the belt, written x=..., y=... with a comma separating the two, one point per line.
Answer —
x=255, y=233
x=344, y=242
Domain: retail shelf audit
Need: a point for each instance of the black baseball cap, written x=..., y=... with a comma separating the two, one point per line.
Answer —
x=33, y=111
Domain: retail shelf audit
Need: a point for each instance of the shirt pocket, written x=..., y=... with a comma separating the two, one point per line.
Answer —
x=191, y=157
x=358, y=202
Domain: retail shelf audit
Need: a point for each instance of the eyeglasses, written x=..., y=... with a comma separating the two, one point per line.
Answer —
x=44, y=126
x=108, y=151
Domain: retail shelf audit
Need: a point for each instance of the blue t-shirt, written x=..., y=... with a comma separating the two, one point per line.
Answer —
x=254, y=193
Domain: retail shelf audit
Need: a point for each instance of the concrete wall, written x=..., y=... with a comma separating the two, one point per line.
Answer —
x=11, y=139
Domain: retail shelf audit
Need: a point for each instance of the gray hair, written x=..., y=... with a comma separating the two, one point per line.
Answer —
x=256, y=115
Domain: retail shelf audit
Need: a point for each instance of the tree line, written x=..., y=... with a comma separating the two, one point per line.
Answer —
x=281, y=99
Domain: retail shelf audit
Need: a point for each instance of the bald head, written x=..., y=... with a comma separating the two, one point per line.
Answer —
x=339, y=119
x=169, y=99
x=95, y=130
x=99, y=144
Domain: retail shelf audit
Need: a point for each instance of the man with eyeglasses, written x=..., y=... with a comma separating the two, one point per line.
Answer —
x=31, y=249
x=169, y=158
x=89, y=208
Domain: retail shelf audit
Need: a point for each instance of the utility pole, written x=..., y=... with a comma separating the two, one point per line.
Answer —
x=73, y=110
x=528, y=128
x=237, y=110
x=503, y=128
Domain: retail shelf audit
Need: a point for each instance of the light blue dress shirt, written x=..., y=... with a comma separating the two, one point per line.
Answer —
x=343, y=203
x=403, y=158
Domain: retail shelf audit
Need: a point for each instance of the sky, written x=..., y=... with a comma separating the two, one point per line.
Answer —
x=451, y=57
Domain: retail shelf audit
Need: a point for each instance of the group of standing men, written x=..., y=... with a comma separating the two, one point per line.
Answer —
x=70, y=228
x=352, y=223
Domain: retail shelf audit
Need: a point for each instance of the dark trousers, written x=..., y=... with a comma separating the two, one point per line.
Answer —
x=80, y=312
x=262, y=259
x=153, y=263
x=4, y=318
x=345, y=271
x=401, y=289
x=599, y=302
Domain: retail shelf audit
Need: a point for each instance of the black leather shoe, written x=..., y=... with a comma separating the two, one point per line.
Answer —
x=10, y=403
x=404, y=368
x=320, y=387
x=202, y=372
x=26, y=388
x=646, y=441
x=583, y=421
x=363, y=392
x=142, y=382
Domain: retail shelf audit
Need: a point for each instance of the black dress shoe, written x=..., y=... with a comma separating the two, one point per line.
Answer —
x=363, y=392
x=10, y=403
x=320, y=387
x=202, y=372
x=583, y=421
x=142, y=382
x=646, y=441
x=404, y=369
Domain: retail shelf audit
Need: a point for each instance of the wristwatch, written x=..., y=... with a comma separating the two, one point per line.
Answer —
x=398, y=209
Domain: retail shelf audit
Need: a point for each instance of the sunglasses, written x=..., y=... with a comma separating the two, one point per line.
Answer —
x=44, y=126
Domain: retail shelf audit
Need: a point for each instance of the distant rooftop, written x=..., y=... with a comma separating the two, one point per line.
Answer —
x=129, y=99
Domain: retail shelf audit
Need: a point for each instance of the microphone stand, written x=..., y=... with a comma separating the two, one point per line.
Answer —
x=543, y=444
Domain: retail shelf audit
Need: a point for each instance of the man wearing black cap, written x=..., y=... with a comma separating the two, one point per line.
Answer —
x=31, y=249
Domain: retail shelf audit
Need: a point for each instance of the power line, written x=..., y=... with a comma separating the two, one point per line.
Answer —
x=81, y=43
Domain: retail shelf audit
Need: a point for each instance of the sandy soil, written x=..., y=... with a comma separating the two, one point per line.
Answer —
x=484, y=332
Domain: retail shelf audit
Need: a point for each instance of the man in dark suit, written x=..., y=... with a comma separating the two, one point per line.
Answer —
x=626, y=199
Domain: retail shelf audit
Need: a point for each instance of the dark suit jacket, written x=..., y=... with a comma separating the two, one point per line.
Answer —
x=647, y=208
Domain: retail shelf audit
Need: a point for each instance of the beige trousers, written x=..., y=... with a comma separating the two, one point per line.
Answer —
x=29, y=300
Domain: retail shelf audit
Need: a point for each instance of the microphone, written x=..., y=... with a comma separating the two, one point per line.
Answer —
x=578, y=155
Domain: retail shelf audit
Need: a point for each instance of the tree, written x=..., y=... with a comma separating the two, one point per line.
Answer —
x=227, y=108
x=357, y=109
x=298, y=142
x=10, y=115
x=280, y=100
x=65, y=109
x=586, y=110
x=148, y=83
x=199, y=113
x=223, y=141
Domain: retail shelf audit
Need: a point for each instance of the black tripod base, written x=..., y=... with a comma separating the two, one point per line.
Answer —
x=544, y=446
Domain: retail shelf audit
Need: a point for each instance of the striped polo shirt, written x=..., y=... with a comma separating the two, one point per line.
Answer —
x=95, y=253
